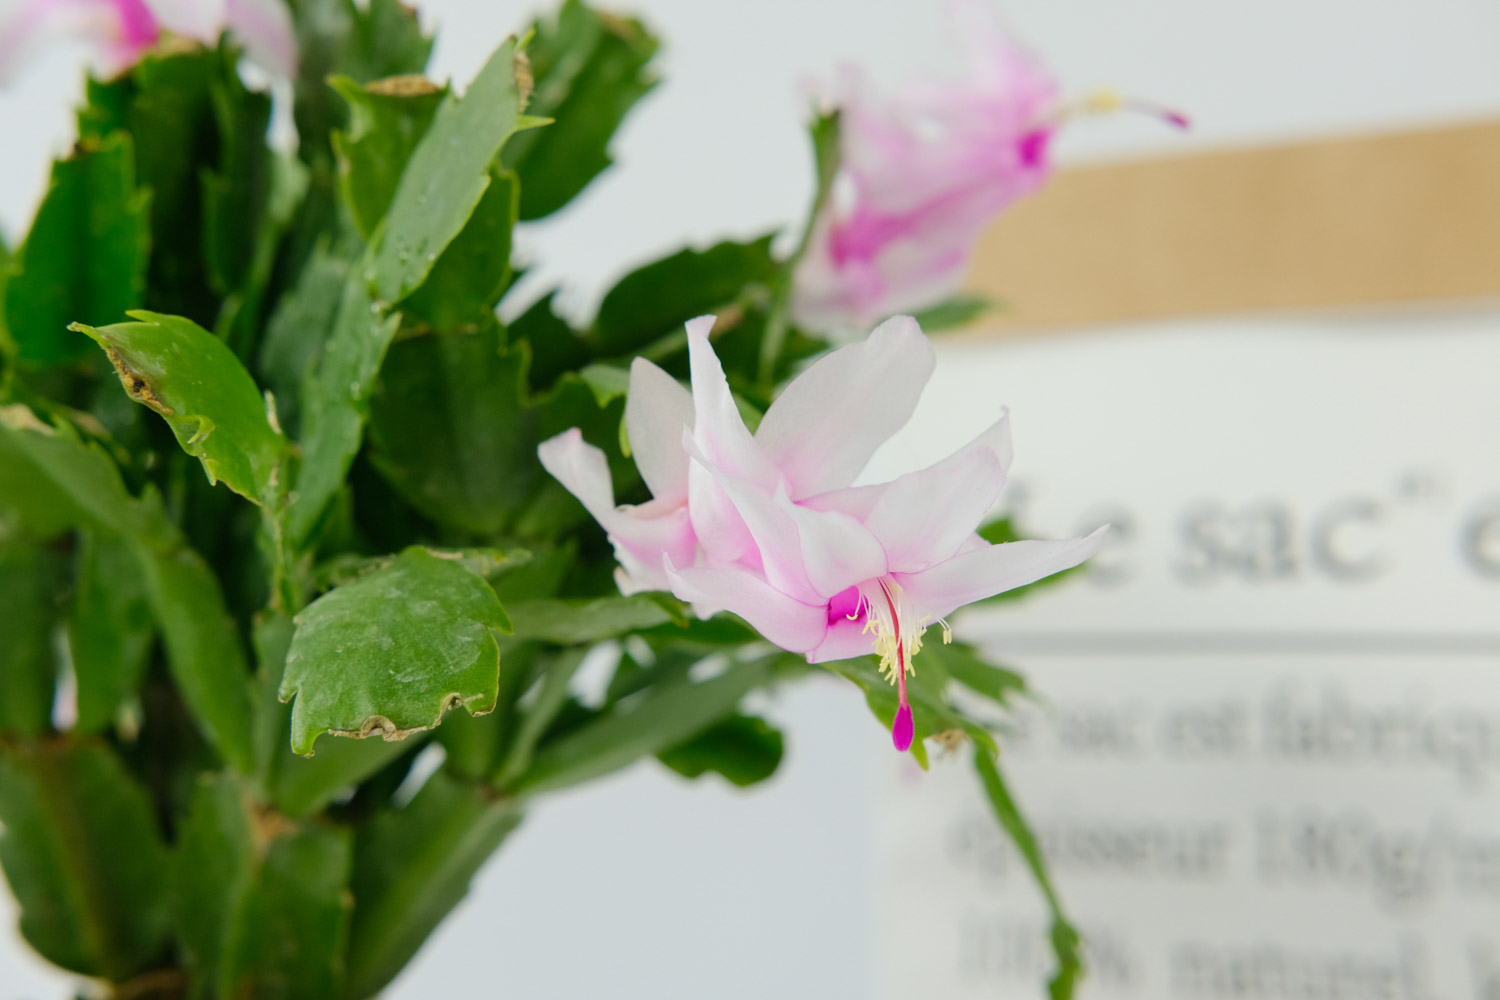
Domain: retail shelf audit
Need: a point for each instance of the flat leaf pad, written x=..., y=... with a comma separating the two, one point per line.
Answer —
x=392, y=651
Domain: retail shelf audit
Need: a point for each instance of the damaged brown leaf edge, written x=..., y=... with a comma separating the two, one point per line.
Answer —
x=137, y=386
x=520, y=67
x=379, y=725
x=392, y=733
x=407, y=85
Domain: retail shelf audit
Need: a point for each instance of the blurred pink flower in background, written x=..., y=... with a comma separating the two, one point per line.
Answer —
x=769, y=526
x=922, y=173
x=121, y=31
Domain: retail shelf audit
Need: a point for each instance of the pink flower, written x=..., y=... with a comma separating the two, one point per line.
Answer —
x=768, y=525
x=648, y=536
x=123, y=30
x=922, y=174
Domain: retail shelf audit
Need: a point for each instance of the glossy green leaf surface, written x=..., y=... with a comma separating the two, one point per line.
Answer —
x=213, y=406
x=387, y=118
x=485, y=562
x=237, y=188
x=658, y=298
x=304, y=785
x=298, y=331
x=590, y=69
x=203, y=650
x=411, y=867
x=607, y=382
x=391, y=652
x=170, y=100
x=110, y=628
x=447, y=177
x=555, y=346
x=743, y=749
x=585, y=621
x=301, y=786
x=29, y=582
x=269, y=238
x=80, y=848
x=336, y=400
x=444, y=182
x=363, y=42
x=472, y=273
x=386, y=39
x=104, y=108
x=51, y=481
x=659, y=719
x=1066, y=944
x=262, y=905
x=451, y=431
x=211, y=871
x=287, y=937
x=551, y=692
x=86, y=256
x=474, y=746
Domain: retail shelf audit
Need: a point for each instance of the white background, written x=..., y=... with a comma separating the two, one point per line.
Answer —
x=644, y=886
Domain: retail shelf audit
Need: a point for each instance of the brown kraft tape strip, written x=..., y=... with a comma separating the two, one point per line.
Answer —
x=1407, y=217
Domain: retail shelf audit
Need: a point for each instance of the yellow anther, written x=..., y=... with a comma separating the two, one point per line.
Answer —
x=1104, y=102
x=886, y=647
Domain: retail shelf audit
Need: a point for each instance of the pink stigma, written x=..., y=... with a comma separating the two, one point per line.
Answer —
x=1033, y=147
x=1175, y=118
x=903, y=730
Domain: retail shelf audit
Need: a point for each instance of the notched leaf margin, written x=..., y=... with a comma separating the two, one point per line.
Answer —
x=392, y=733
x=137, y=386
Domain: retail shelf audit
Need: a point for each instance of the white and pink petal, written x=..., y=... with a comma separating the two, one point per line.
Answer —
x=648, y=531
x=993, y=569
x=657, y=411
x=823, y=428
x=838, y=552
x=923, y=518
x=718, y=429
x=844, y=640
x=793, y=625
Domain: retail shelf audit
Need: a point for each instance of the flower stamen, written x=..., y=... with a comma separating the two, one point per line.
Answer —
x=1110, y=102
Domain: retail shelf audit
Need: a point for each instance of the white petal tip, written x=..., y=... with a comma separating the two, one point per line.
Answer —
x=1089, y=544
x=898, y=326
x=558, y=442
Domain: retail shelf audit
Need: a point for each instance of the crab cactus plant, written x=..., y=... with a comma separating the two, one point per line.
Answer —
x=274, y=524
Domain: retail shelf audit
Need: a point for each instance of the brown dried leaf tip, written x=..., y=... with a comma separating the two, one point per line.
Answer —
x=520, y=67
x=136, y=385
x=409, y=85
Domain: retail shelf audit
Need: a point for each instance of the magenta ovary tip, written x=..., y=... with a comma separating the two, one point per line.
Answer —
x=903, y=730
